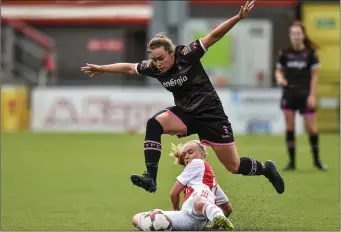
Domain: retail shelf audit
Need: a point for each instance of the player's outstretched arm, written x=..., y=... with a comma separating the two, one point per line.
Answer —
x=175, y=195
x=226, y=26
x=93, y=69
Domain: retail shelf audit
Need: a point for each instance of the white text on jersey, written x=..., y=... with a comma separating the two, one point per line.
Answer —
x=175, y=82
x=297, y=64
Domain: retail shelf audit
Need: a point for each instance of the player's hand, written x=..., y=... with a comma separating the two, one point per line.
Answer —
x=92, y=69
x=282, y=82
x=311, y=102
x=244, y=10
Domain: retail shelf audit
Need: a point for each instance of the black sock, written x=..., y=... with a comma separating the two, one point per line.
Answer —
x=314, y=143
x=251, y=167
x=152, y=147
x=290, y=139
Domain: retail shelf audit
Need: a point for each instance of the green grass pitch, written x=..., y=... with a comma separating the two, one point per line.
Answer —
x=82, y=182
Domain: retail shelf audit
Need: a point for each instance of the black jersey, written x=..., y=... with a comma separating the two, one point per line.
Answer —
x=297, y=67
x=187, y=79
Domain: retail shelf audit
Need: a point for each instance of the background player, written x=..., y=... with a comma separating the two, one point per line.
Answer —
x=202, y=193
x=198, y=108
x=297, y=73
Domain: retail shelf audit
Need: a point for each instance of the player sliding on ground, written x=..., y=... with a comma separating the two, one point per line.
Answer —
x=202, y=193
x=197, y=110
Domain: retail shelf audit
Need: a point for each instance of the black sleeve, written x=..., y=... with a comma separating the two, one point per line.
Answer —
x=193, y=52
x=145, y=68
x=281, y=61
x=314, y=60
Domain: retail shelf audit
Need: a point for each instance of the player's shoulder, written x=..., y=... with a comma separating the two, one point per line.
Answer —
x=178, y=48
x=199, y=161
x=196, y=166
x=196, y=162
x=147, y=64
x=207, y=165
x=181, y=50
x=312, y=51
x=185, y=49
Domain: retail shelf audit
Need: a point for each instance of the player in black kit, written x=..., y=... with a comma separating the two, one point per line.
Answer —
x=197, y=110
x=296, y=73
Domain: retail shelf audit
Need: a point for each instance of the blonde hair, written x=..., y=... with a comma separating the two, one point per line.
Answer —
x=175, y=151
x=161, y=40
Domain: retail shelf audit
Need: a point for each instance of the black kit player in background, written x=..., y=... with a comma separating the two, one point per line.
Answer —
x=297, y=74
x=197, y=110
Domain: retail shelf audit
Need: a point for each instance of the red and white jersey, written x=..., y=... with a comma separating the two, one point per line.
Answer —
x=197, y=174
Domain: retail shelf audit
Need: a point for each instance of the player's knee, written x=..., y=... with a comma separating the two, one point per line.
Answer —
x=233, y=166
x=154, y=125
x=234, y=169
x=289, y=120
x=199, y=204
x=311, y=129
x=290, y=125
x=228, y=156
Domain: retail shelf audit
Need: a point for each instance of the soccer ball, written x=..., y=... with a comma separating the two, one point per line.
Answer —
x=155, y=220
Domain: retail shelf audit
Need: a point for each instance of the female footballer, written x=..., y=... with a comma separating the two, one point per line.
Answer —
x=204, y=200
x=197, y=110
x=296, y=73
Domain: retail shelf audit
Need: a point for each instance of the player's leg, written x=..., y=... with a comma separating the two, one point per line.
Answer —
x=184, y=221
x=168, y=121
x=206, y=208
x=248, y=166
x=227, y=210
x=289, y=108
x=311, y=128
x=218, y=134
x=289, y=116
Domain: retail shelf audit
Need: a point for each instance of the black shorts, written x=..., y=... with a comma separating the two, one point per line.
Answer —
x=295, y=101
x=212, y=126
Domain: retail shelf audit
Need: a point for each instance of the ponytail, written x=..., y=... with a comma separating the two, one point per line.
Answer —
x=308, y=43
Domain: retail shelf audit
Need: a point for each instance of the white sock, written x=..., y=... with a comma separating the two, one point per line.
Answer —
x=210, y=211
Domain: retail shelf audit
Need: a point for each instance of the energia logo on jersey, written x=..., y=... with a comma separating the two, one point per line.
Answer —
x=175, y=82
x=297, y=64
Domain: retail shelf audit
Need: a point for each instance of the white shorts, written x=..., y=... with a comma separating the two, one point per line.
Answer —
x=187, y=219
x=203, y=191
x=184, y=221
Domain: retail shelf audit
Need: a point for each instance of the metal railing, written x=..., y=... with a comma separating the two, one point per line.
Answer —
x=25, y=54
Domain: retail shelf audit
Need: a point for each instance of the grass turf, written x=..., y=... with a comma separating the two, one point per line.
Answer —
x=82, y=182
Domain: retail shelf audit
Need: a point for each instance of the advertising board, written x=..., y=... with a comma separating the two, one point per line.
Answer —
x=128, y=109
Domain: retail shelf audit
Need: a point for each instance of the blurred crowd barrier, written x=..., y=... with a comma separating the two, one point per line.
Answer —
x=115, y=109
